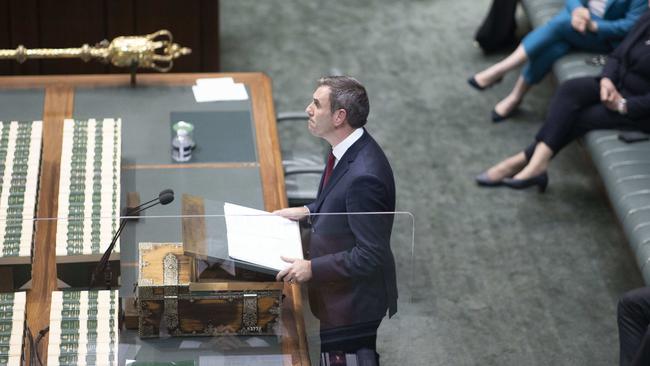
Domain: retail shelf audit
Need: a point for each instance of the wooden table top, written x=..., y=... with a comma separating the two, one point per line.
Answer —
x=58, y=105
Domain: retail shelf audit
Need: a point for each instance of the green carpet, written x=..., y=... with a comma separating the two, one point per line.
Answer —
x=501, y=277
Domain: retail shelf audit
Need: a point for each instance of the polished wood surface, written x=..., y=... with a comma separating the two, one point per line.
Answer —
x=57, y=106
x=59, y=98
x=194, y=232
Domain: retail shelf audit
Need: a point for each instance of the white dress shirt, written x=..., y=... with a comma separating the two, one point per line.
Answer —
x=339, y=150
x=343, y=146
x=597, y=7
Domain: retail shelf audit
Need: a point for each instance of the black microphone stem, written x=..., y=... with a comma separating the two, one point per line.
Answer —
x=164, y=198
x=142, y=204
x=141, y=209
x=103, y=262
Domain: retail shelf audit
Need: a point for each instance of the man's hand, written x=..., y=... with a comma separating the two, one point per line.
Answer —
x=299, y=271
x=293, y=213
x=609, y=96
x=580, y=19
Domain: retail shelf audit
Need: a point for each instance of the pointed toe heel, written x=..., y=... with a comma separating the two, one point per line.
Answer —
x=484, y=181
x=496, y=117
x=540, y=180
x=474, y=84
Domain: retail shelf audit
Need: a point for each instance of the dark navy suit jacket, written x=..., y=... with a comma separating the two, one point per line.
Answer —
x=632, y=76
x=353, y=269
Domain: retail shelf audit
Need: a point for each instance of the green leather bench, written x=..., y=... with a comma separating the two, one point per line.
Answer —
x=624, y=168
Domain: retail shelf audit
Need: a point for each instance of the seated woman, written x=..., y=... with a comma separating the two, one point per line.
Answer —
x=620, y=99
x=591, y=25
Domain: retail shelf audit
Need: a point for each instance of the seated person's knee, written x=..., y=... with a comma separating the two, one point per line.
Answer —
x=560, y=24
x=630, y=301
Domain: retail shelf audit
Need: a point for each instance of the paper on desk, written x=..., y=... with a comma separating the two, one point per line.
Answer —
x=224, y=82
x=260, y=238
x=218, y=89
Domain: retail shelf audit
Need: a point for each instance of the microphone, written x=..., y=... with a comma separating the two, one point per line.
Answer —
x=165, y=197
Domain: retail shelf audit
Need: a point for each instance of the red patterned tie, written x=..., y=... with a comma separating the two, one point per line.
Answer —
x=328, y=168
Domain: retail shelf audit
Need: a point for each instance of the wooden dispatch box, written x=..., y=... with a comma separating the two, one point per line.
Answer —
x=169, y=303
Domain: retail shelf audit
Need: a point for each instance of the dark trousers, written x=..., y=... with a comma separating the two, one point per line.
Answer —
x=633, y=327
x=358, y=341
x=575, y=110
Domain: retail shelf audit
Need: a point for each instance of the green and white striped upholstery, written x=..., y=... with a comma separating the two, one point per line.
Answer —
x=89, y=186
x=83, y=328
x=12, y=327
x=20, y=159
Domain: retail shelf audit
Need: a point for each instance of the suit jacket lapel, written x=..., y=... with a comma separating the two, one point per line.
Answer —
x=338, y=172
x=341, y=168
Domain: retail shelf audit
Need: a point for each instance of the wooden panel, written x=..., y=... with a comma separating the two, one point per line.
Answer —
x=294, y=341
x=72, y=25
x=120, y=18
x=194, y=242
x=25, y=30
x=179, y=17
x=120, y=21
x=6, y=279
x=209, y=35
x=58, y=105
x=235, y=286
x=5, y=34
x=132, y=201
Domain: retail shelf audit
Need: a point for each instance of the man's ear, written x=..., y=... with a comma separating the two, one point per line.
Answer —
x=340, y=116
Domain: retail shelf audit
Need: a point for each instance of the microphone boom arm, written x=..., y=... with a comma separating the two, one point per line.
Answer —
x=164, y=198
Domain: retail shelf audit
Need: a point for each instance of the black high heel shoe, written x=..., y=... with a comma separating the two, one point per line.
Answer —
x=540, y=180
x=474, y=84
x=496, y=117
x=484, y=181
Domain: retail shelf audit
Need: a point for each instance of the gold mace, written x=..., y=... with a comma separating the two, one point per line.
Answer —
x=152, y=51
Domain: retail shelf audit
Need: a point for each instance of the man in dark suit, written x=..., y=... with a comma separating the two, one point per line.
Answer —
x=350, y=270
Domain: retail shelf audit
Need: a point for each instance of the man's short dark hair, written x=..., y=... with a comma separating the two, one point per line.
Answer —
x=348, y=93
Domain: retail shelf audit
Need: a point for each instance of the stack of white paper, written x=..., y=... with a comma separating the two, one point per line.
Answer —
x=218, y=89
x=260, y=238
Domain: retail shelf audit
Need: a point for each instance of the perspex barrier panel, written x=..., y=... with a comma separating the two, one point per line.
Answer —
x=202, y=289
